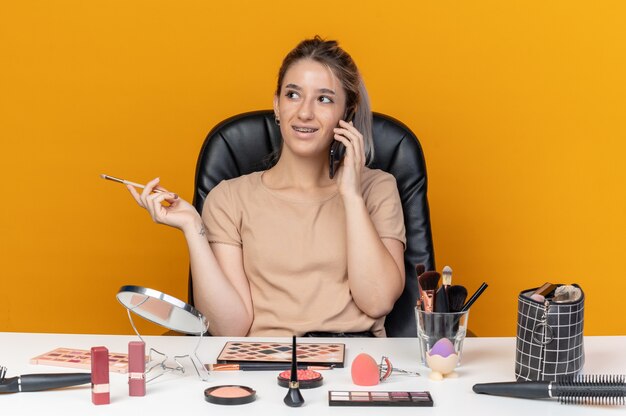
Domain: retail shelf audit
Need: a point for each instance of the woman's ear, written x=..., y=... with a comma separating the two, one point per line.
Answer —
x=276, y=109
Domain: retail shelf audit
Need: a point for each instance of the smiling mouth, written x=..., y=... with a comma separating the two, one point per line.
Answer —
x=304, y=129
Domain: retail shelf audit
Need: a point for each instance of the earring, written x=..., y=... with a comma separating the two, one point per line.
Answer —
x=277, y=120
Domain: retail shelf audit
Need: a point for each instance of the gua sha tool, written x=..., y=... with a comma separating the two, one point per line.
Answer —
x=294, y=397
x=366, y=372
x=442, y=360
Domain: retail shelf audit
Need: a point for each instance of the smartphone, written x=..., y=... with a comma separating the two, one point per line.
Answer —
x=337, y=149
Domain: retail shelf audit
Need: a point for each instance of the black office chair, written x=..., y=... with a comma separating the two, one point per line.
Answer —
x=244, y=143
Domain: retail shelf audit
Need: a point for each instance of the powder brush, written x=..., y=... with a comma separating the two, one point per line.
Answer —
x=456, y=297
x=428, y=282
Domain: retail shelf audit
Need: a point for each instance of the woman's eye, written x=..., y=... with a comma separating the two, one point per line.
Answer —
x=324, y=99
x=291, y=94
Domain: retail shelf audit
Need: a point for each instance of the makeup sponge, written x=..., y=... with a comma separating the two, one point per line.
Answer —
x=365, y=370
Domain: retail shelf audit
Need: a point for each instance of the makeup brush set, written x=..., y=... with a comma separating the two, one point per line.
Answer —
x=446, y=298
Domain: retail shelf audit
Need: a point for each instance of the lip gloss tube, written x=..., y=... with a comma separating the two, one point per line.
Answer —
x=100, y=393
x=136, y=368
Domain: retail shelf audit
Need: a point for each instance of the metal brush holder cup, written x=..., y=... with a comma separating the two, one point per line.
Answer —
x=168, y=312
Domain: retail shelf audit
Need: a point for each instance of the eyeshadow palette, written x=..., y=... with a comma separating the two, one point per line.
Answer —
x=380, y=398
x=235, y=352
x=73, y=358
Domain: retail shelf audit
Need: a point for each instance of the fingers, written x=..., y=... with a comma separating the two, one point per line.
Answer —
x=135, y=195
x=152, y=198
x=155, y=206
x=149, y=188
x=352, y=139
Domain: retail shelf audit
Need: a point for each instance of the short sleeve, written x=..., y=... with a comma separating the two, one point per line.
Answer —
x=384, y=206
x=221, y=216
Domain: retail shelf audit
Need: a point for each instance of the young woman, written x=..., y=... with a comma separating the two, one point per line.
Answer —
x=289, y=250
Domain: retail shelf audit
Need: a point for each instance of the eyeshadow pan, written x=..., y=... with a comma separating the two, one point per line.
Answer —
x=342, y=398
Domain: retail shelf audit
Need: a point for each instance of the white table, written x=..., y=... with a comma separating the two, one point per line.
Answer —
x=484, y=360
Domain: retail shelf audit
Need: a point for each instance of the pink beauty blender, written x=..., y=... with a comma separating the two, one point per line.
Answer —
x=365, y=370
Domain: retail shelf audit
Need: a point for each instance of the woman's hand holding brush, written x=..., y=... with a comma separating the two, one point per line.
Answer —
x=164, y=207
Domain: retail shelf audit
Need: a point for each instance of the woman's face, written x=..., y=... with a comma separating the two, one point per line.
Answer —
x=311, y=103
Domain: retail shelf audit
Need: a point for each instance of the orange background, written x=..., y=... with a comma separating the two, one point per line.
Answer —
x=519, y=106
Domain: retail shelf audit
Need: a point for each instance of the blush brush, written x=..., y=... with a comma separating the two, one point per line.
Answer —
x=428, y=282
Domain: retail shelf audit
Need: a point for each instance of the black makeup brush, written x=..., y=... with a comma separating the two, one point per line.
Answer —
x=474, y=297
x=428, y=282
x=294, y=397
x=456, y=297
x=591, y=389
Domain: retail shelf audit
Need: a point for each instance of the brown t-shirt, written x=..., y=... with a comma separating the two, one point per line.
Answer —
x=294, y=252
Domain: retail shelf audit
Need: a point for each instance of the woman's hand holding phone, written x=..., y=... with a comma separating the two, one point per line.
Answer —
x=349, y=175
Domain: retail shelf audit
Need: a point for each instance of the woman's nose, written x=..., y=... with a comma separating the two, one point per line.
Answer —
x=305, y=112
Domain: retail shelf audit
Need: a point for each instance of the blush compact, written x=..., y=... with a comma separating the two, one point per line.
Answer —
x=229, y=395
x=308, y=379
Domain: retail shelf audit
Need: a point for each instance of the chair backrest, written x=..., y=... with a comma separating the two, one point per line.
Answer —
x=244, y=143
